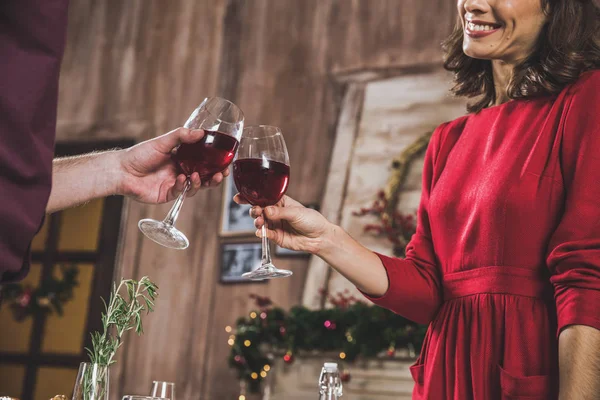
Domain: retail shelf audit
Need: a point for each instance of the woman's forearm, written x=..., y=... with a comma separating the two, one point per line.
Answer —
x=579, y=363
x=355, y=262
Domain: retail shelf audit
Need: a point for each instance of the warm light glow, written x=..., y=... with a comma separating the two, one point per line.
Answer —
x=263, y=374
x=231, y=336
x=342, y=355
x=350, y=339
x=231, y=342
x=227, y=329
x=252, y=315
x=247, y=343
x=267, y=367
x=242, y=397
x=254, y=375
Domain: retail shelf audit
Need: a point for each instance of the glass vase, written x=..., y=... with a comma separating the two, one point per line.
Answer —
x=92, y=382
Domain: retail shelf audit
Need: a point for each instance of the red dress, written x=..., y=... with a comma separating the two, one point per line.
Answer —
x=507, y=249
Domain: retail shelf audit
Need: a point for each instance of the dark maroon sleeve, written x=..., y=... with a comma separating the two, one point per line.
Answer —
x=32, y=39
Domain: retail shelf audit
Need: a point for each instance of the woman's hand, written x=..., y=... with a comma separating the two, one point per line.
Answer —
x=291, y=225
x=295, y=227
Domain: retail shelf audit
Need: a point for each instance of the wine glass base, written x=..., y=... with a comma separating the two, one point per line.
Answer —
x=163, y=234
x=267, y=271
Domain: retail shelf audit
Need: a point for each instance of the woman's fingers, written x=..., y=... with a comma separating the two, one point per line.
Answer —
x=272, y=235
x=259, y=222
x=256, y=212
x=239, y=199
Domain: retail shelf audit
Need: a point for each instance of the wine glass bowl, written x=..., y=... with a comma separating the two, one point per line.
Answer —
x=261, y=173
x=223, y=124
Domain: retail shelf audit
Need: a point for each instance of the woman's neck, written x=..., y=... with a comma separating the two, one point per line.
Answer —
x=502, y=74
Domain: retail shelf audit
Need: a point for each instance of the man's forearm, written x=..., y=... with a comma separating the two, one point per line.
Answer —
x=579, y=363
x=77, y=180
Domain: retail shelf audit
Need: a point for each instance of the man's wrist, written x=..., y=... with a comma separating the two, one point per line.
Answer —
x=113, y=173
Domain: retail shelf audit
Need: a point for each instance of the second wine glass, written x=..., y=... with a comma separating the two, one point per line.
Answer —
x=261, y=174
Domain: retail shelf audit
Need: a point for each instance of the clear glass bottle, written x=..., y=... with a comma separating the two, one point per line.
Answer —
x=330, y=384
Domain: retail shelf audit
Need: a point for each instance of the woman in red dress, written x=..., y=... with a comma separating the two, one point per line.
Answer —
x=505, y=263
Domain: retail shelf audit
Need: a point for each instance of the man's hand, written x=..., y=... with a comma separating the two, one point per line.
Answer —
x=149, y=174
x=145, y=172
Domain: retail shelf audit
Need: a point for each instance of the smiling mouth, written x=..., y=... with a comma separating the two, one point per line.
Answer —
x=481, y=28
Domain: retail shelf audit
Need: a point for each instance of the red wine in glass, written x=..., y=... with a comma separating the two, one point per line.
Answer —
x=261, y=182
x=212, y=154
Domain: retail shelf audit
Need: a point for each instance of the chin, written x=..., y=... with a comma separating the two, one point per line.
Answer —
x=478, y=52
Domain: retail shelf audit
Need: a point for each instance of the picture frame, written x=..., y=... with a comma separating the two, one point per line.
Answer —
x=235, y=218
x=281, y=252
x=238, y=258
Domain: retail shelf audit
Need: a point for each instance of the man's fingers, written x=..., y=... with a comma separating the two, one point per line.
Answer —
x=217, y=179
x=167, y=142
x=176, y=188
x=196, y=184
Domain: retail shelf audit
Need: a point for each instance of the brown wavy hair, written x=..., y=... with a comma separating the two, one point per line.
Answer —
x=568, y=45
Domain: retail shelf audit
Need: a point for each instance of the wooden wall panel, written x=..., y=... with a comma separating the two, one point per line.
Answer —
x=138, y=68
x=386, y=34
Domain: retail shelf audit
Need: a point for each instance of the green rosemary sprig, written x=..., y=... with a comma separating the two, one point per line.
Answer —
x=122, y=314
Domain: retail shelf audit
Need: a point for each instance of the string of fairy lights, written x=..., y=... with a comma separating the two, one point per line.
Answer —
x=351, y=329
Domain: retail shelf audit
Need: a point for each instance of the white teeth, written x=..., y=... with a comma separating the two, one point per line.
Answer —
x=478, y=28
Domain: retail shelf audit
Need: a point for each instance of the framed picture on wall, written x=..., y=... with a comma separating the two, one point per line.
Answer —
x=235, y=218
x=281, y=252
x=239, y=258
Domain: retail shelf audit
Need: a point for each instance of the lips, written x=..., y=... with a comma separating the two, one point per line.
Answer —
x=478, y=29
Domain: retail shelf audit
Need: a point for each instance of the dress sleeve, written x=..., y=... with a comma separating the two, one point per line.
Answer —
x=574, y=249
x=414, y=282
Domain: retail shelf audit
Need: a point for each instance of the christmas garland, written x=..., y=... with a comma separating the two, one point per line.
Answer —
x=49, y=297
x=352, y=328
x=398, y=228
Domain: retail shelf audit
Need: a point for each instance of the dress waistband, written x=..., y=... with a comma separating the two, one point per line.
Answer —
x=498, y=280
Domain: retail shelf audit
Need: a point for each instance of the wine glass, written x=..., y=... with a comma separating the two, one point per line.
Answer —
x=222, y=122
x=163, y=389
x=261, y=173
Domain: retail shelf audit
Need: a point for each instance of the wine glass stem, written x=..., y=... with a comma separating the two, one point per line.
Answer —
x=174, y=212
x=266, y=251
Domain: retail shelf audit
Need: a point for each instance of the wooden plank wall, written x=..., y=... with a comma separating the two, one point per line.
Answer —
x=138, y=68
